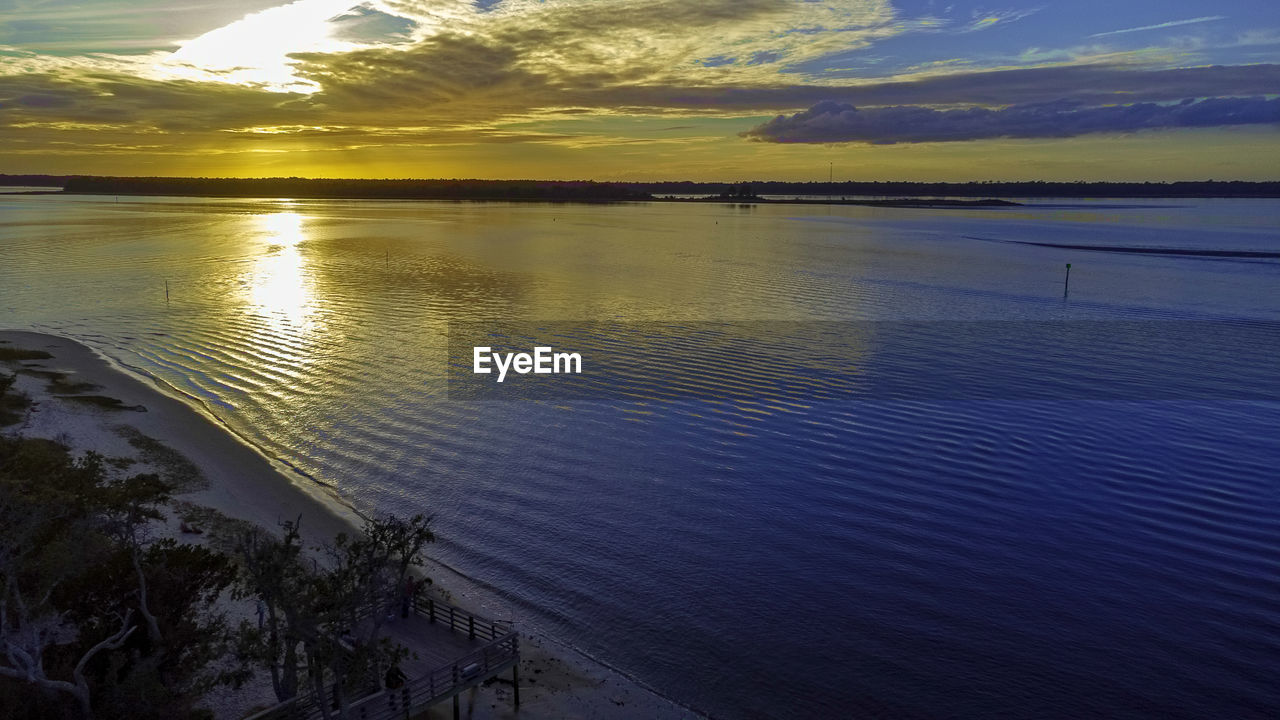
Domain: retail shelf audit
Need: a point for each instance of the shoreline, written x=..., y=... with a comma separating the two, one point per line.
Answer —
x=567, y=190
x=244, y=484
x=905, y=202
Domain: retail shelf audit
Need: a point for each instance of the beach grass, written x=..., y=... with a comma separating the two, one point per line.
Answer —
x=14, y=354
x=62, y=386
x=175, y=468
x=60, y=383
x=12, y=404
x=222, y=531
x=102, y=401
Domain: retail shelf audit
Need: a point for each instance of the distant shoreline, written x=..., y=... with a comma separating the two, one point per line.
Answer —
x=883, y=194
x=904, y=202
x=887, y=203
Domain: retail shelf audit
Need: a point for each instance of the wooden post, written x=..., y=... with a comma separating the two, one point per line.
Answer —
x=455, y=694
x=1066, y=283
x=515, y=681
x=166, y=291
x=471, y=627
x=431, y=610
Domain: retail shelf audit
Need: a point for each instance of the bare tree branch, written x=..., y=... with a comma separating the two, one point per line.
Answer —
x=110, y=643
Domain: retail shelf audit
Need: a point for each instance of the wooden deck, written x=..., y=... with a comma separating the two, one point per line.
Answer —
x=434, y=644
x=451, y=651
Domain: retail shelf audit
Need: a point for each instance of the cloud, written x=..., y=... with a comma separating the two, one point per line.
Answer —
x=456, y=72
x=835, y=122
x=569, y=44
x=1161, y=26
x=145, y=104
x=1085, y=84
x=456, y=77
x=984, y=21
x=452, y=81
x=115, y=25
x=254, y=47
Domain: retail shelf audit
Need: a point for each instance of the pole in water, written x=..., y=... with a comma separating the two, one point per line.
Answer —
x=1066, y=283
x=166, y=291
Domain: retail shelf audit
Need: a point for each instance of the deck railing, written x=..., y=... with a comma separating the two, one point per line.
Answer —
x=501, y=652
x=461, y=620
x=440, y=684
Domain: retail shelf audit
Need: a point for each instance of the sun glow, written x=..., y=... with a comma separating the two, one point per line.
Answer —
x=255, y=49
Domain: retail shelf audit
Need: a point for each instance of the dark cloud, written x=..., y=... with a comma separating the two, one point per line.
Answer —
x=43, y=100
x=1088, y=84
x=117, y=99
x=438, y=74
x=836, y=122
x=458, y=79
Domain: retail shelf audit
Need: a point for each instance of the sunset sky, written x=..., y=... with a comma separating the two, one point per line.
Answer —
x=630, y=90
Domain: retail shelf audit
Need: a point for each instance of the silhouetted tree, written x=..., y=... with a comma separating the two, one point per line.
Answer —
x=93, y=617
x=329, y=614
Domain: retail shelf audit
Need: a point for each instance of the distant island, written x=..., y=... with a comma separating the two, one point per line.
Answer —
x=895, y=194
x=745, y=193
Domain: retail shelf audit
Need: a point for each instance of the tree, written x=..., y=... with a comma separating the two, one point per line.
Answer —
x=93, y=616
x=44, y=500
x=167, y=678
x=272, y=572
x=330, y=614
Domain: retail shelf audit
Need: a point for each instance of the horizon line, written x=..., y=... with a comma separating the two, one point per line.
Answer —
x=630, y=182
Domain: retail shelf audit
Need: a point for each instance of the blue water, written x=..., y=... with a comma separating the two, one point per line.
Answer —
x=810, y=552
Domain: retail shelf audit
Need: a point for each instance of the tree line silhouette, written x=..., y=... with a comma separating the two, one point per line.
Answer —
x=593, y=191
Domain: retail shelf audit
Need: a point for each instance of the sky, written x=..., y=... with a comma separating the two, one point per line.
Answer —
x=712, y=90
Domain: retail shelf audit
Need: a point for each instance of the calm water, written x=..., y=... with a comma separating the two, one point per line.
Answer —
x=799, y=554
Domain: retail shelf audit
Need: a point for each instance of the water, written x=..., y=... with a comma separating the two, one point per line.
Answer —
x=801, y=555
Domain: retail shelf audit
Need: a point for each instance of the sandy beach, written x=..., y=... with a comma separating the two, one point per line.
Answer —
x=227, y=478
